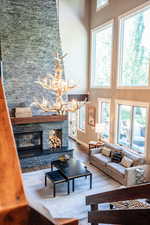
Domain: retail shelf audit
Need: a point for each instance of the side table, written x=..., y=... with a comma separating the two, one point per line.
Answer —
x=95, y=144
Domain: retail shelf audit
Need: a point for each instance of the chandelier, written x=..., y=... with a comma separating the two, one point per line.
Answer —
x=56, y=84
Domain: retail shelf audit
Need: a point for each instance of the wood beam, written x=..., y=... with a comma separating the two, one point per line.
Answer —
x=125, y=217
x=121, y=194
x=38, y=119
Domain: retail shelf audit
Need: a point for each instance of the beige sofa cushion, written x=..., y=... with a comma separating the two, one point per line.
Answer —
x=106, y=151
x=116, y=168
x=101, y=159
x=138, y=159
x=126, y=162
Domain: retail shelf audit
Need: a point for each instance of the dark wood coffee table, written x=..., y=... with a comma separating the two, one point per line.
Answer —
x=71, y=170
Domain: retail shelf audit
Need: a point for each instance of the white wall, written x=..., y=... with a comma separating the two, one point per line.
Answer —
x=74, y=31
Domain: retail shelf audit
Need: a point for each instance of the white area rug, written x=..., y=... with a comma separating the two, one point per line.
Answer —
x=63, y=205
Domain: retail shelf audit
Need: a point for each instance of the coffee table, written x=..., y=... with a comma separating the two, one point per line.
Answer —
x=72, y=169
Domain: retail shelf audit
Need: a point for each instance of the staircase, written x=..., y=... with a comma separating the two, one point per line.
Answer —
x=119, y=216
x=14, y=209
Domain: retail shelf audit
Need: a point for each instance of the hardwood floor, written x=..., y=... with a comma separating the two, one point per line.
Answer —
x=80, y=152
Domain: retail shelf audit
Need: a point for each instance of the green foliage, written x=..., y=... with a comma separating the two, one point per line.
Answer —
x=136, y=56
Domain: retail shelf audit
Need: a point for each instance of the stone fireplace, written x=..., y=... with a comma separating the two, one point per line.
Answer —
x=29, y=40
x=35, y=133
x=29, y=141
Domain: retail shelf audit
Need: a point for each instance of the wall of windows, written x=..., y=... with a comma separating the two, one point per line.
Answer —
x=82, y=116
x=102, y=55
x=132, y=126
x=122, y=71
x=73, y=119
x=134, y=58
x=104, y=117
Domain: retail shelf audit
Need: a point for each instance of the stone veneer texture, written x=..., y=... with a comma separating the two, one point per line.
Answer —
x=46, y=127
x=30, y=38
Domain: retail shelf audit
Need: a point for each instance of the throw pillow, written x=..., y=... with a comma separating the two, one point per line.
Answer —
x=126, y=162
x=116, y=157
x=106, y=152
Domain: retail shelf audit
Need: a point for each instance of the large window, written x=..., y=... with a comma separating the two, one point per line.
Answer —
x=134, y=58
x=104, y=118
x=131, y=132
x=102, y=56
x=101, y=3
x=82, y=118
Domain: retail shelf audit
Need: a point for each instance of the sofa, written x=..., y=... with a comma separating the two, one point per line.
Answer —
x=125, y=176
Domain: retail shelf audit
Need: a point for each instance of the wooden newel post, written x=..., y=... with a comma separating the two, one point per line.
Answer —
x=94, y=208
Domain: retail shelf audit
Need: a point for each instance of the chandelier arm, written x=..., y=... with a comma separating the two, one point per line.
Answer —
x=59, y=87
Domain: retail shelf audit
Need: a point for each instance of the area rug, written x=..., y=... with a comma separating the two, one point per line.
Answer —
x=63, y=205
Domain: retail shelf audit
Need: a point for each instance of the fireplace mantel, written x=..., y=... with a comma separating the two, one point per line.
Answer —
x=38, y=119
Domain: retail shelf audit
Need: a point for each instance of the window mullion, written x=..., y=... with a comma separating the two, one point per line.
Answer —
x=118, y=124
x=131, y=131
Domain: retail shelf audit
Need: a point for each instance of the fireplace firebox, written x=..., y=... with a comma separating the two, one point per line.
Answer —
x=29, y=142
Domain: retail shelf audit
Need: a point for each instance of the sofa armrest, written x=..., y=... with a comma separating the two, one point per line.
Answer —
x=130, y=174
x=95, y=151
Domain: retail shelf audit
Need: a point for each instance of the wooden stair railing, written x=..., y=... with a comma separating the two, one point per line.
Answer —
x=119, y=216
x=14, y=209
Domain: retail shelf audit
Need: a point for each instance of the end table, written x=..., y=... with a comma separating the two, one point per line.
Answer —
x=95, y=144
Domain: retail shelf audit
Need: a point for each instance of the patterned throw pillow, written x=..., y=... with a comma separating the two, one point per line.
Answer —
x=116, y=157
x=106, y=151
x=126, y=162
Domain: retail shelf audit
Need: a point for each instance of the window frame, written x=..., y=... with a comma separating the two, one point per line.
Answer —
x=93, y=55
x=102, y=6
x=132, y=104
x=122, y=18
x=80, y=129
x=100, y=101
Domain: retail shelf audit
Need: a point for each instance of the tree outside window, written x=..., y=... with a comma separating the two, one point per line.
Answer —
x=132, y=127
x=135, y=49
x=105, y=119
x=102, y=56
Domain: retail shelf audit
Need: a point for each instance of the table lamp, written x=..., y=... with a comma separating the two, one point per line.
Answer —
x=99, y=127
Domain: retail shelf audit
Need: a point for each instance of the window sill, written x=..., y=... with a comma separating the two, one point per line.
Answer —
x=131, y=150
x=134, y=87
x=101, y=87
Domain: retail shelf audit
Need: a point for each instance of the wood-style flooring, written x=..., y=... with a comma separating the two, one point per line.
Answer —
x=80, y=152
